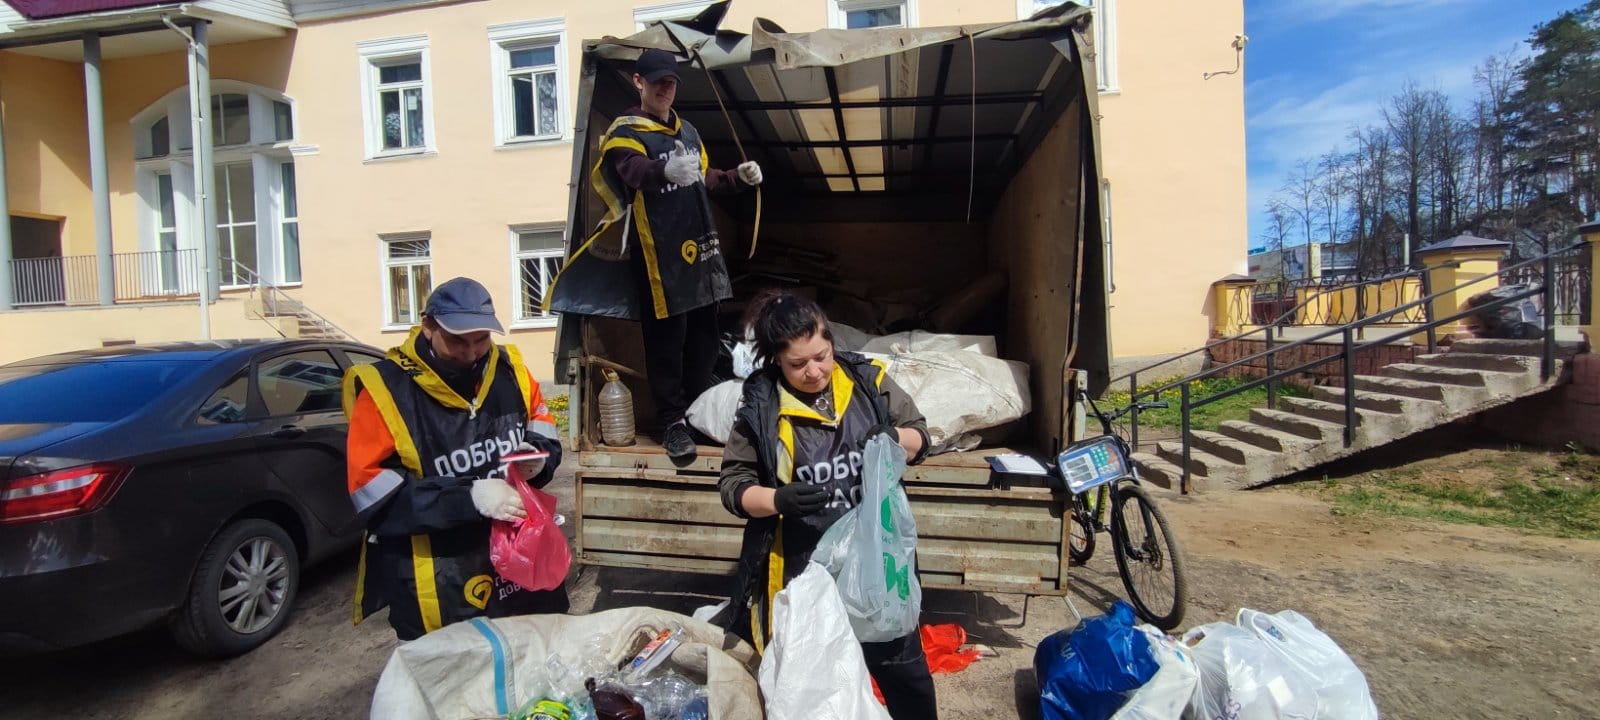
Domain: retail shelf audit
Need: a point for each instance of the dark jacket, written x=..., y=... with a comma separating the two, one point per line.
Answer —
x=751, y=458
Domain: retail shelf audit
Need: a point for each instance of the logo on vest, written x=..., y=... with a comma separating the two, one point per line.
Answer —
x=690, y=251
x=478, y=590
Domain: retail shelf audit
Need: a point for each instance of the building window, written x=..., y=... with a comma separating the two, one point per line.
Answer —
x=398, y=107
x=685, y=10
x=252, y=129
x=539, y=252
x=407, y=277
x=236, y=224
x=528, y=60
x=290, y=225
x=854, y=14
x=230, y=119
x=1105, y=35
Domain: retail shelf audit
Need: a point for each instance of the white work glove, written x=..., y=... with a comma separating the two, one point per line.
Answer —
x=683, y=168
x=750, y=173
x=497, y=500
x=527, y=470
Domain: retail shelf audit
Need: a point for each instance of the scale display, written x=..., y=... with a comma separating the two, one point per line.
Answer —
x=1091, y=463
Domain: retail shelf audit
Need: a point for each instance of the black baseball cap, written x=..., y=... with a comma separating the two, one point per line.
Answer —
x=463, y=305
x=654, y=64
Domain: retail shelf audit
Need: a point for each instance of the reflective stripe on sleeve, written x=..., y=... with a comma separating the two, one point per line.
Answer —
x=379, y=487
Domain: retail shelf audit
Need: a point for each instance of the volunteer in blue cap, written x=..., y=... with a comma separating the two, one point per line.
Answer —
x=654, y=176
x=428, y=425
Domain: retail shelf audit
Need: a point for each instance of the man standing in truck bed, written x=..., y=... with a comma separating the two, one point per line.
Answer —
x=653, y=177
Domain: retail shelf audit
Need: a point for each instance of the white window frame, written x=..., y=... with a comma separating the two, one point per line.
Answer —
x=1105, y=38
x=839, y=9
x=285, y=219
x=385, y=264
x=503, y=39
x=264, y=151
x=375, y=54
x=540, y=320
x=668, y=11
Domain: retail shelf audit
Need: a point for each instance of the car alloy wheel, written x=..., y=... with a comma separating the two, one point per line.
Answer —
x=255, y=583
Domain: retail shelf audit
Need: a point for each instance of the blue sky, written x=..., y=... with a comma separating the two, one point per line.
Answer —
x=1315, y=68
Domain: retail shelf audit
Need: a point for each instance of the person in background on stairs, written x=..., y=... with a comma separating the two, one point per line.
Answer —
x=653, y=176
x=428, y=425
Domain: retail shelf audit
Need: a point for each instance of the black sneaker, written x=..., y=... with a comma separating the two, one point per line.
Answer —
x=678, y=442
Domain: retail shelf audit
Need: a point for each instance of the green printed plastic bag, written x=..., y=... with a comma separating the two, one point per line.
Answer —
x=871, y=550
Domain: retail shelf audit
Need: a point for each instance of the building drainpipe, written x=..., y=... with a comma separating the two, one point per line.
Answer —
x=94, y=100
x=5, y=229
x=204, y=175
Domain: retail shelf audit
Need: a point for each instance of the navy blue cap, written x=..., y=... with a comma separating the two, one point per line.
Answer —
x=462, y=305
x=655, y=64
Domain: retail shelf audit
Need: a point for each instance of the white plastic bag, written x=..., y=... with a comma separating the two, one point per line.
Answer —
x=813, y=668
x=1167, y=693
x=871, y=550
x=1243, y=679
x=712, y=413
x=1342, y=692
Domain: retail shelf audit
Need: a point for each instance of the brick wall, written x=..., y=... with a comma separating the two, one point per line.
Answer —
x=1367, y=362
x=1570, y=413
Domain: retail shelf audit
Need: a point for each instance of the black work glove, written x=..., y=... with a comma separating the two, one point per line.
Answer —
x=800, y=499
x=886, y=429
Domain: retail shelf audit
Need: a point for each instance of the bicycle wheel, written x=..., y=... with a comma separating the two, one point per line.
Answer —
x=1148, y=558
x=1080, y=538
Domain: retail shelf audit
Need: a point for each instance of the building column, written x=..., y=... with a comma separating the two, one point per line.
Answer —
x=1590, y=232
x=5, y=228
x=95, y=102
x=205, y=167
x=1451, y=267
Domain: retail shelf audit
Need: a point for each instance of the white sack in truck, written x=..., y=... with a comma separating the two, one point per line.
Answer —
x=961, y=393
x=712, y=413
x=911, y=341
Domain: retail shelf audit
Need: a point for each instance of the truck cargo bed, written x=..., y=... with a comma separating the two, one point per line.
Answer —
x=638, y=509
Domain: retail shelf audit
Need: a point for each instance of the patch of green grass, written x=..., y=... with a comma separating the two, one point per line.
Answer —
x=1204, y=417
x=1548, y=504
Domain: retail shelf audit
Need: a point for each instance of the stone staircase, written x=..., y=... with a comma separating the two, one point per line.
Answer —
x=1407, y=398
x=290, y=317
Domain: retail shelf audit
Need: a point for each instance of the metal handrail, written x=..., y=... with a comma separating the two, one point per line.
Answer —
x=274, y=295
x=1349, y=346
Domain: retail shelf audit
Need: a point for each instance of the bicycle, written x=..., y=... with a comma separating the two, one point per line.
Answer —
x=1099, y=469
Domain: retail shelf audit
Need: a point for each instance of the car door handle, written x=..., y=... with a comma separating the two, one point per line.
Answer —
x=288, y=432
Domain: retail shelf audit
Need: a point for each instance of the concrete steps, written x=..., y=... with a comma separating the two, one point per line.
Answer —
x=1404, y=399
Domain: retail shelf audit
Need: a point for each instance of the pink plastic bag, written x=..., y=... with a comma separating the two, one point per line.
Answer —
x=531, y=552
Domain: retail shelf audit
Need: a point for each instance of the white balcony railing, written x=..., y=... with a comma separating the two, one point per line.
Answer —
x=154, y=276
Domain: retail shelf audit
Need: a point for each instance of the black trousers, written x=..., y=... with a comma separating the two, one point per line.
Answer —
x=902, y=674
x=679, y=353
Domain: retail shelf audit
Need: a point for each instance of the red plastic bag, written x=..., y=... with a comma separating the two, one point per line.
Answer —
x=531, y=552
x=942, y=646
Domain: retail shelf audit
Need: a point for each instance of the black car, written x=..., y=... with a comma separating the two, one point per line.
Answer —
x=185, y=483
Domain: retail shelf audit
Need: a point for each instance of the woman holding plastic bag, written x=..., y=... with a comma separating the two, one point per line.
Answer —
x=794, y=464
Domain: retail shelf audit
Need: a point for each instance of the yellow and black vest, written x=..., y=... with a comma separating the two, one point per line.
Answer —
x=797, y=443
x=434, y=578
x=678, y=256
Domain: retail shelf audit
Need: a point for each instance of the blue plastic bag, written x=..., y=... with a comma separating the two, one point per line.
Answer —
x=1088, y=672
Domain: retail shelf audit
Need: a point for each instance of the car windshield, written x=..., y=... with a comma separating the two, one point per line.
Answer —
x=85, y=392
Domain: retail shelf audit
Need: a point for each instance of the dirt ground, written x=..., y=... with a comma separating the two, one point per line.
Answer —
x=1447, y=620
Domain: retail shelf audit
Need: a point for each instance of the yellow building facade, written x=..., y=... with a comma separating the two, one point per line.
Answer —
x=364, y=150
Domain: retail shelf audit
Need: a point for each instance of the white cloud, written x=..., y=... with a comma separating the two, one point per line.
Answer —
x=1296, y=122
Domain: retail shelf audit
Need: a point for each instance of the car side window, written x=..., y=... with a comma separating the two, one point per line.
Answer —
x=361, y=358
x=299, y=383
x=227, y=404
